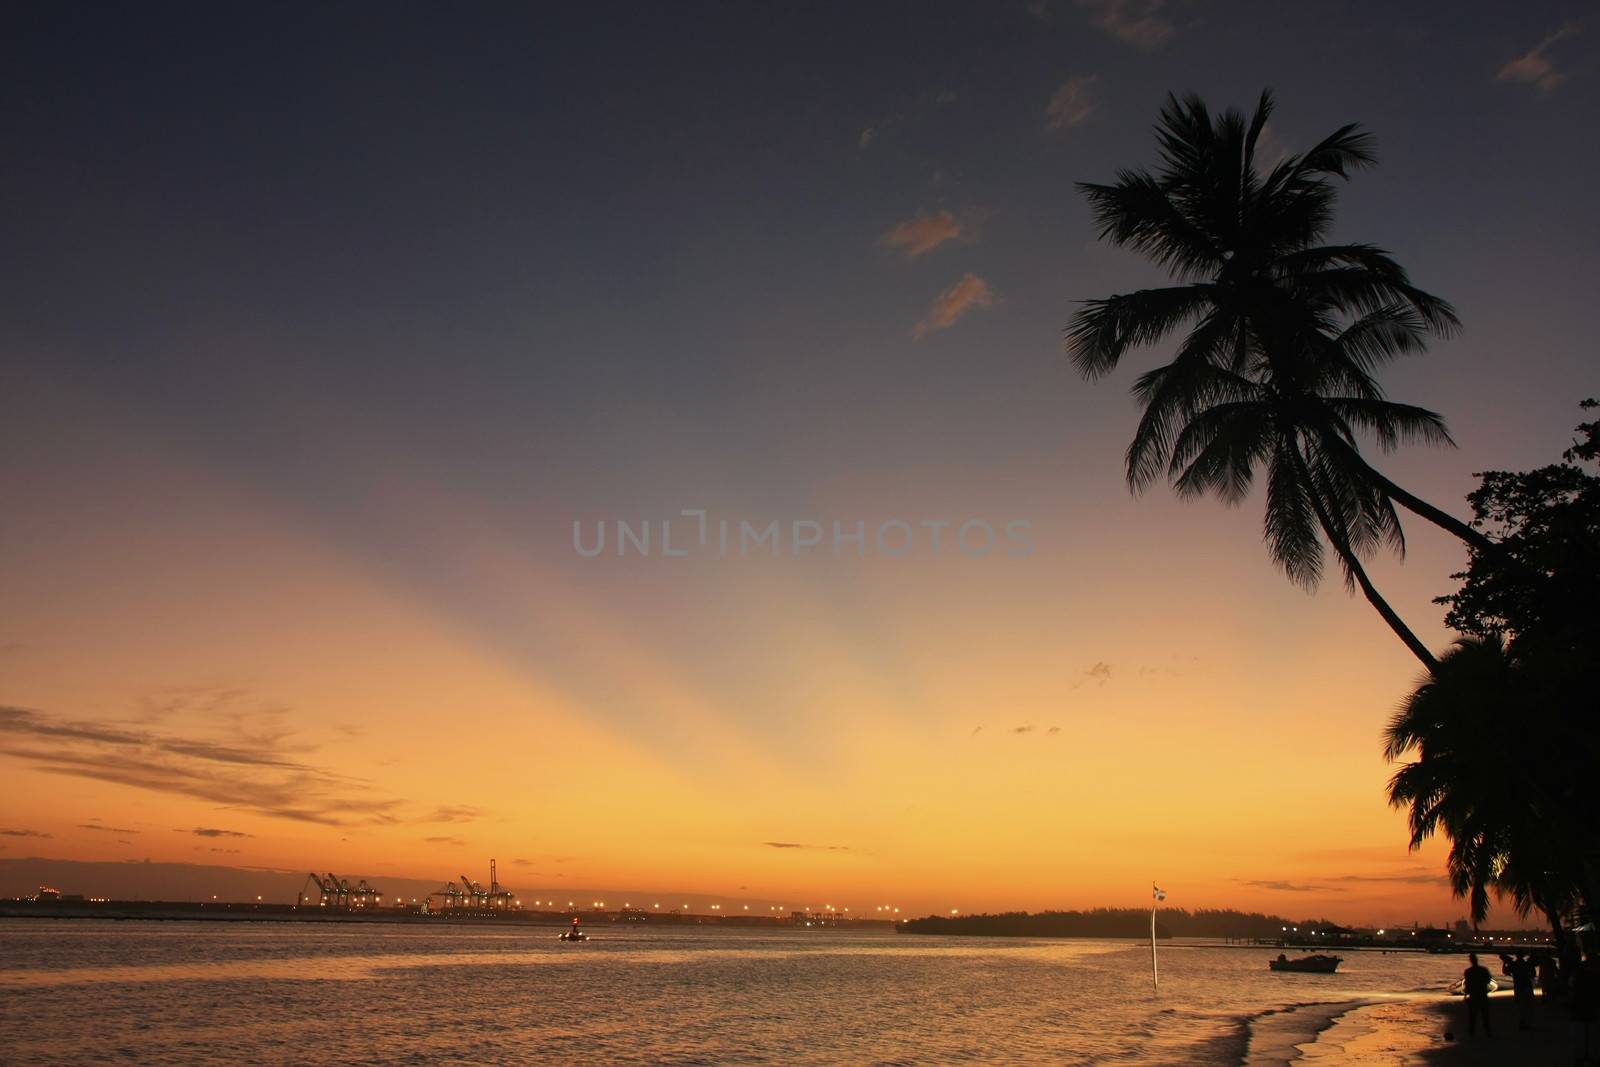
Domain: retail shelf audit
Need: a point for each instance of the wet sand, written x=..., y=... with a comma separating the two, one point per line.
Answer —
x=1412, y=1030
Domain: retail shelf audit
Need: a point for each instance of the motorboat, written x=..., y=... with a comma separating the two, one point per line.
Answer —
x=573, y=935
x=1459, y=988
x=1318, y=964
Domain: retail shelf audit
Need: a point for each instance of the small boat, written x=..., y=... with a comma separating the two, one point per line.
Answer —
x=573, y=935
x=1459, y=988
x=1318, y=964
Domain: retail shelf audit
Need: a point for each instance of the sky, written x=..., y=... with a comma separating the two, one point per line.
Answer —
x=323, y=326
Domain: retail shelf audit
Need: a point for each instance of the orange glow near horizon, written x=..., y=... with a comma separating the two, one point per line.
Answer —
x=991, y=733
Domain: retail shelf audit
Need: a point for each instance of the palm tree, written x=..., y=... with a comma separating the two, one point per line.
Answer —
x=1285, y=335
x=1477, y=779
x=1302, y=433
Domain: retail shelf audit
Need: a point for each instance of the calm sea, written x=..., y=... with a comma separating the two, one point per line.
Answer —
x=90, y=991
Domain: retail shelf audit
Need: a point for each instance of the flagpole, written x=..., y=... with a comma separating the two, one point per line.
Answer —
x=1156, y=896
x=1155, y=974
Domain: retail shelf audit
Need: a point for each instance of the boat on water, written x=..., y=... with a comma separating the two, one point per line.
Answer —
x=1459, y=988
x=573, y=935
x=1318, y=964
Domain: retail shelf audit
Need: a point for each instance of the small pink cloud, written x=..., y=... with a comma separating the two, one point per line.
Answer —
x=1073, y=103
x=968, y=293
x=1136, y=22
x=1535, y=68
x=923, y=233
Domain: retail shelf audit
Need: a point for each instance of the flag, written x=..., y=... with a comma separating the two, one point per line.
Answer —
x=1157, y=892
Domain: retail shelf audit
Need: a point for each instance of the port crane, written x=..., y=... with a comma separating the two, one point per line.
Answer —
x=473, y=894
x=336, y=892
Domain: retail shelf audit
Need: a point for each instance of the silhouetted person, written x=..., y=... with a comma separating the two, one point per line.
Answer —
x=1476, y=981
x=1521, y=972
x=1545, y=967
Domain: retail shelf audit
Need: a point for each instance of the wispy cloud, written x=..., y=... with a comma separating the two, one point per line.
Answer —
x=1140, y=23
x=1535, y=67
x=923, y=233
x=1279, y=886
x=814, y=848
x=96, y=825
x=1025, y=728
x=208, y=700
x=1073, y=103
x=1099, y=674
x=444, y=840
x=453, y=813
x=24, y=833
x=210, y=831
x=250, y=772
x=968, y=293
x=1417, y=877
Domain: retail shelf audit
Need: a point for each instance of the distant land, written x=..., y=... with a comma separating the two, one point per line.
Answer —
x=1220, y=924
x=134, y=880
x=1117, y=922
x=144, y=880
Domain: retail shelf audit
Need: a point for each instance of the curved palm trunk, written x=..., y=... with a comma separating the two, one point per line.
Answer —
x=1419, y=507
x=1397, y=624
x=1352, y=564
x=1442, y=519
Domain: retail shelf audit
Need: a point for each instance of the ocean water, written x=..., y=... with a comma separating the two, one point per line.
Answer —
x=95, y=991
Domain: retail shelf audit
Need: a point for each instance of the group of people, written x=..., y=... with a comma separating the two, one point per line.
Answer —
x=1522, y=970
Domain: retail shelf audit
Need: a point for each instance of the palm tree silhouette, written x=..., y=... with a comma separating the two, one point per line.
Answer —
x=1285, y=336
x=1477, y=779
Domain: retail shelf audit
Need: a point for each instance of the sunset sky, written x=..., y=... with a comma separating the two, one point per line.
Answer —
x=320, y=331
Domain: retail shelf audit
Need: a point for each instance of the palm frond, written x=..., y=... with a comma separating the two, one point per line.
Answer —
x=1104, y=330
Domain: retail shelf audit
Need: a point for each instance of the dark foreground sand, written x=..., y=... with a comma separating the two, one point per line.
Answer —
x=1412, y=1030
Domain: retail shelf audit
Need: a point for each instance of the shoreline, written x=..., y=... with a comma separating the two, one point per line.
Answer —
x=1411, y=1029
x=1280, y=1035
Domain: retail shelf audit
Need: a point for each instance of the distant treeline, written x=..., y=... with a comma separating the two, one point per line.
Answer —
x=1111, y=922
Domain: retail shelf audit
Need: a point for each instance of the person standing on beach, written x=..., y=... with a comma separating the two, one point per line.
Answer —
x=1475, y=979
x=1521, y=971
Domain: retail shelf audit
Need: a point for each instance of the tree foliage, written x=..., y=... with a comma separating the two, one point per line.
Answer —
x=1504, y=735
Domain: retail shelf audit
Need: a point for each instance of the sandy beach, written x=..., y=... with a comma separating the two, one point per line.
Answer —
x=1411, y=1030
